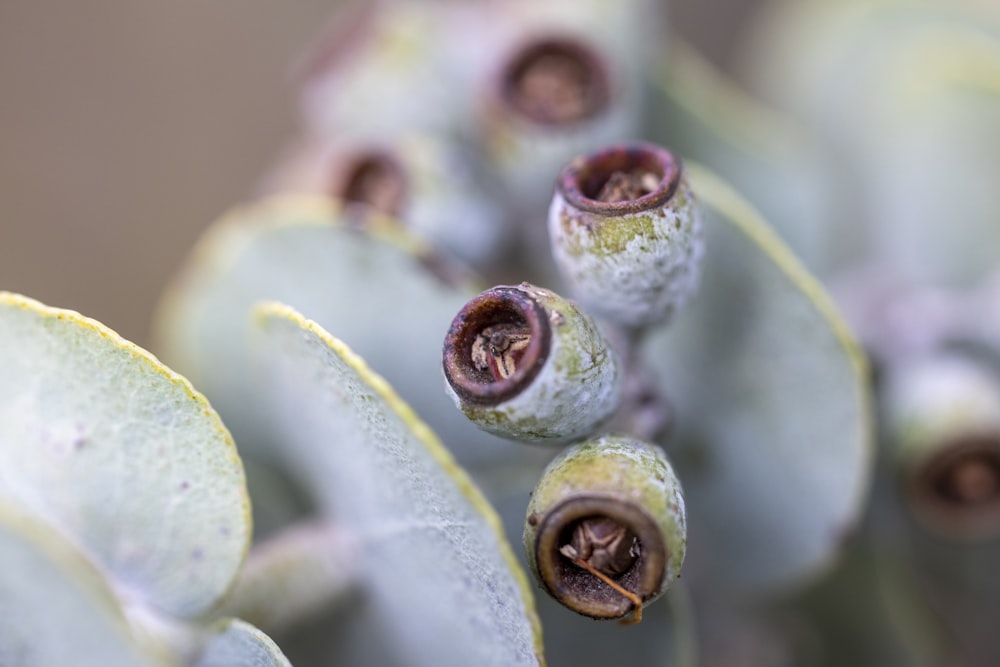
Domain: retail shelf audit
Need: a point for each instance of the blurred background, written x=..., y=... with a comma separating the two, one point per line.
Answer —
x=128, y=126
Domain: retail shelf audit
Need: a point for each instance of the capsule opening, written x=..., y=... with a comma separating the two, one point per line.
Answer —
x=376, y=179
x=556, y=81
x=621, y=179
x=956, y=491
x=496, y=345
x=637, y=564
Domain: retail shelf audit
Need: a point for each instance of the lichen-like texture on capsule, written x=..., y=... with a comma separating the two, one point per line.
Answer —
x=943, y=419
x=626, y=233
x=606, y=527
x=525, y=364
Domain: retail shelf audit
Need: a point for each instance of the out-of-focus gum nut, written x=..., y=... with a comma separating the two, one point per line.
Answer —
x=385, y=67
x=626, y=233
x=551, y=96
x=942, y=417
x=427, y=183
x=615, y=503
x=523, y=363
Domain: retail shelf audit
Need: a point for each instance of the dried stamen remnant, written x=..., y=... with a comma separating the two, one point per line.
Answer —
x=499, y=348
x=628, y=185
x=606, y=549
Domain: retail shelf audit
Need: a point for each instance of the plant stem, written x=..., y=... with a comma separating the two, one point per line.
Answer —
x=305, y=569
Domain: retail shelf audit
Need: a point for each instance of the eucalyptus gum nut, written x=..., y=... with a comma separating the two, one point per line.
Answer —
x=618, y=478
x=525, y=364
x=357, y=82
x=942, y=416
x=630, y=251
x=530, y=122
x=384, y=68
x=428, y=183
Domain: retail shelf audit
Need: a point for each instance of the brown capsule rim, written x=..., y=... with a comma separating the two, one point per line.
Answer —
x=497, y=305
x=528, y=52
x=581, y=180
x=576, y=588
x=930, y=496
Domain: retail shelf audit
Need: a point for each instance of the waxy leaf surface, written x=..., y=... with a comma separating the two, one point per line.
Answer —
x=905, y=96
x=440, y=585
x=369, y=287
x=120, y=455
x=772, y=427
x=702, y=115
x=55, y=608
x=239, y=643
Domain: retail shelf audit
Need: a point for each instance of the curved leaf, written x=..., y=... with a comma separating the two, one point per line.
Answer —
x=441, y=583
x=121, y=455
x=905, y=97
x=55, y=608
x=239, y=643
x=772, y=436
x=702, y=115
x=370, y=287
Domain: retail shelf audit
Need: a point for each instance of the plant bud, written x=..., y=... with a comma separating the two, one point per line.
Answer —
x=626, y=233
x=525, y=364
x=943, y=418
x=611, y=506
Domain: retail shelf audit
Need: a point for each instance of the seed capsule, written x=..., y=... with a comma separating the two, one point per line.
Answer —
x=523, y=363
x=626, y=233
x=426, y=182
x=606, y=529
x=551, y=97
x=943, y=419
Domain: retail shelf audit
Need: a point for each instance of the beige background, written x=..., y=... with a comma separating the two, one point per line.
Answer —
x=127, y=126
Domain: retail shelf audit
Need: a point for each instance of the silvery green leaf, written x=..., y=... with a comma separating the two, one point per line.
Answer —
x=370, y=287
x=240, y=644
x=700, y=114
x=55, y=607
x=440, y=583
x=772, y=419
x=905, y=96
x=121, y=455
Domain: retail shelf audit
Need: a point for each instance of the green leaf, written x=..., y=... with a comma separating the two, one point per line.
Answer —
x=905, y=96
x=239, y=643
x=55, y=608
x=441, y=583
x=702, y=115
x=370, y=287
x=121, y=455
x=769, y=389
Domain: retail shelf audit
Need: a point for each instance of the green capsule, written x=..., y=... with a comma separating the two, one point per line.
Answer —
x=525, y=364
x=942, y=417
x=626, y=233
x=605, y=532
